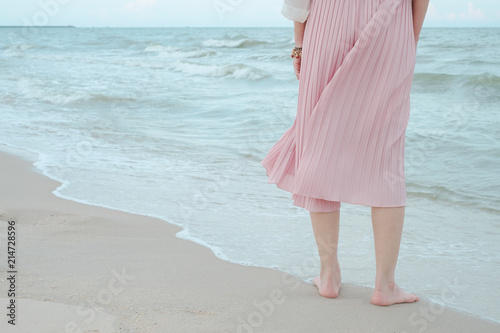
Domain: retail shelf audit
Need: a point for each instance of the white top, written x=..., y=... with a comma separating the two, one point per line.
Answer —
x=296, y=10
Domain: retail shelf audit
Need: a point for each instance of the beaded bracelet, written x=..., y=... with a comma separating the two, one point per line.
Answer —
x=297, y=52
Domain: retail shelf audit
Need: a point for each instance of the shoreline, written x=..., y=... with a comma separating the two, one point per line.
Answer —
x=88, y=267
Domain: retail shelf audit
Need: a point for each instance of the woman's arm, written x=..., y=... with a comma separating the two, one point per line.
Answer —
x=419, y=11
x=298, y=29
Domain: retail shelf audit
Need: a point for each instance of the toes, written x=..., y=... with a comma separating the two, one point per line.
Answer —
x=411, y=298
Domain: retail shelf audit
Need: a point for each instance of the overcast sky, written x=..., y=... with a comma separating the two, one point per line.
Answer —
x=209, y=13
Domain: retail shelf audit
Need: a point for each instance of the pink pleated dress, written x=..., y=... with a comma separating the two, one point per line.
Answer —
x=348, y=138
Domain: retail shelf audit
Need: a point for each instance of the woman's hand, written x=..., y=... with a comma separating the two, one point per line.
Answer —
x=296, y=67
x=298, y=29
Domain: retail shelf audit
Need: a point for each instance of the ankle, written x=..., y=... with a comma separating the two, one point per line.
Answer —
x=384, y=284
x=326, y=274
x=330, y=276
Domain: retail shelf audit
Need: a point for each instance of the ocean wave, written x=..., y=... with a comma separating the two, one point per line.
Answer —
x=479, y=84
x=232, y=43
x=160, y=48
x=109, y=99
x=444, y=193
x=270, y=57
x=485, y=80
x=22, y=47
x=236, y=71
x=84, y=58
x=17, y=48
x=175, y=52
x=441, y=78
x=36, y=89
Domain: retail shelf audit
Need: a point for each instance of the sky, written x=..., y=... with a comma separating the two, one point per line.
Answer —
x=210, y=13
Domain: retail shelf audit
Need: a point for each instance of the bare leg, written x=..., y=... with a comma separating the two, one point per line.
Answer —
x=387, y=229
x=326, y=232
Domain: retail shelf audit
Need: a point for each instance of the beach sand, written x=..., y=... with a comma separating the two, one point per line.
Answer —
x=83, y=268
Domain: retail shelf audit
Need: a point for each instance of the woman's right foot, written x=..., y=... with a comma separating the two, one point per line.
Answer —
x=329, y=290
x=328, y=286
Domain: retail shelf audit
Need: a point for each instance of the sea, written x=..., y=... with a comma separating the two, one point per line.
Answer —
x=173, y=122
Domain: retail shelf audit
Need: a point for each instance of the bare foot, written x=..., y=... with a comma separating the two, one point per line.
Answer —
x=392, y=294
x=327, y=285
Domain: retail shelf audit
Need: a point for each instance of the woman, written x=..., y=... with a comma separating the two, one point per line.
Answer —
x=355, y=61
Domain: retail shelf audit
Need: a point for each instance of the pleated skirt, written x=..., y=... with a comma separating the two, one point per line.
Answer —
x=348, y=138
